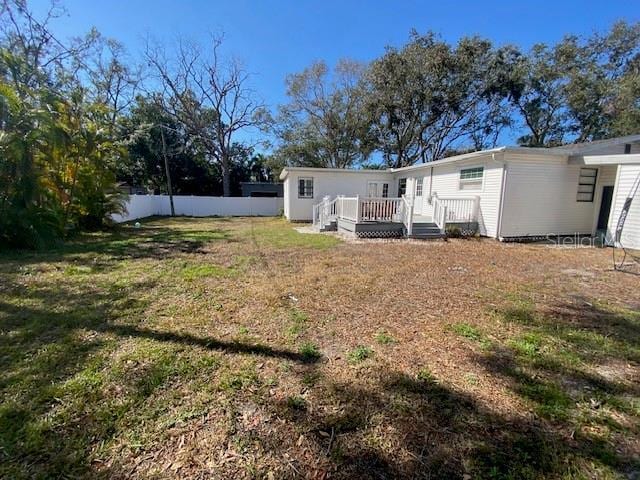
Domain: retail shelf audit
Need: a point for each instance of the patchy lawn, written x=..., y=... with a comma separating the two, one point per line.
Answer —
x=232, y=348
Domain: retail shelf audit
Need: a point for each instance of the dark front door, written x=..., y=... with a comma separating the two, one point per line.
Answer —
x=605, y=208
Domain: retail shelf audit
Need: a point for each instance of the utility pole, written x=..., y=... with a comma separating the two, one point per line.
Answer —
x=166, y=168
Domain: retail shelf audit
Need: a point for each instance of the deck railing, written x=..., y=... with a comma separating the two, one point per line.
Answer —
x=330, y=209
x=379, y=209
x=460, y=209
x=439, y=214
x=316, y=214
x=349, y=208
x=369, y=209
x=365, y=209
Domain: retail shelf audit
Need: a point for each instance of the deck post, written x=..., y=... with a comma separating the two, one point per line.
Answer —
x=410, y=225
x=357, y=208
x=476, y=208
x=445, y=212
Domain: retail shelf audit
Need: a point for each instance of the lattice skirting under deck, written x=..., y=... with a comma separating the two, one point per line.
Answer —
x=381, y=234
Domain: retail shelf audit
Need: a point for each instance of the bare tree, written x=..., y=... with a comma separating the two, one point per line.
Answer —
x=47, y=61
x=208, y=96
x=114, y=78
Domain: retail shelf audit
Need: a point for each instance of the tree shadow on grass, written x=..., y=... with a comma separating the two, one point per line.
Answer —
x=48, y=350
x=403, y=427
x=57, y=383
x=386, y=424
x=208, y=342
x=149, y=241
x=567, y=366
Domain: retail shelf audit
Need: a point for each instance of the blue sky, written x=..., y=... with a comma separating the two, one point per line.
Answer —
x=275, y=38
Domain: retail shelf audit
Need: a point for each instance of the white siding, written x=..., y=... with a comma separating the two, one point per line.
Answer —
x=628, y=174
x=446, y=183
x=540, y=198
x=331, y=183
x=287, y=197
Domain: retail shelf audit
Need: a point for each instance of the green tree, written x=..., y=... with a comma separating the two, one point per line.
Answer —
x=429, y=97
x=603, y=74
x=325, y=123
x=581, y=89
x=538, y=96
x=144, y=165
x=57, y=156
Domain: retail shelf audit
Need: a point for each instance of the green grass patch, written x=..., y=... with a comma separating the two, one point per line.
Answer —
x=425, y=375
x=472, y=333
x=383, y=338
x=297, y=322
x=360, y=354
x=281, y=234
x=296, y=402
x=471, y=379
x=194, y=272
x=549, y=399
x=309, y=351
x=467, y=331
x=73, y=270
x=239, y=379
x=528, y=344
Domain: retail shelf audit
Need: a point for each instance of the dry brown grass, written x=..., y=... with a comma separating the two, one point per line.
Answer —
x=182, y=350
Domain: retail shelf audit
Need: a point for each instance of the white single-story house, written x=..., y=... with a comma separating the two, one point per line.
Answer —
x=508, y=193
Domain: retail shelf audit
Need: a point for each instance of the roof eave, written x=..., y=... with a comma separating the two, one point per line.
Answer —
x=621, y=159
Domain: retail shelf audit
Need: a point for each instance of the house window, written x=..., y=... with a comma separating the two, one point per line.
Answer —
x=587, y=184
x=471, y=178
x=419, y=187
x=378, y=189
x=305, y=187
x=402, y=186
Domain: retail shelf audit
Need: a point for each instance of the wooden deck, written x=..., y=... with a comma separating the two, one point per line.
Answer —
x=392, y=217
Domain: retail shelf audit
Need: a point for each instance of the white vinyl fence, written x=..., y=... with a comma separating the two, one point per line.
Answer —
x=140, y=206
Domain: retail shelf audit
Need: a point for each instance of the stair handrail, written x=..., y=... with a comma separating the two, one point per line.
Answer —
x=439, y=213
x=407, y=214
x=318, y=212
x=331, y=209
x=326, y=210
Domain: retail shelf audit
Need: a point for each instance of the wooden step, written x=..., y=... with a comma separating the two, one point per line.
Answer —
x=425, y=231
x=426, y=236
x=329, y=227
x=425, y=224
